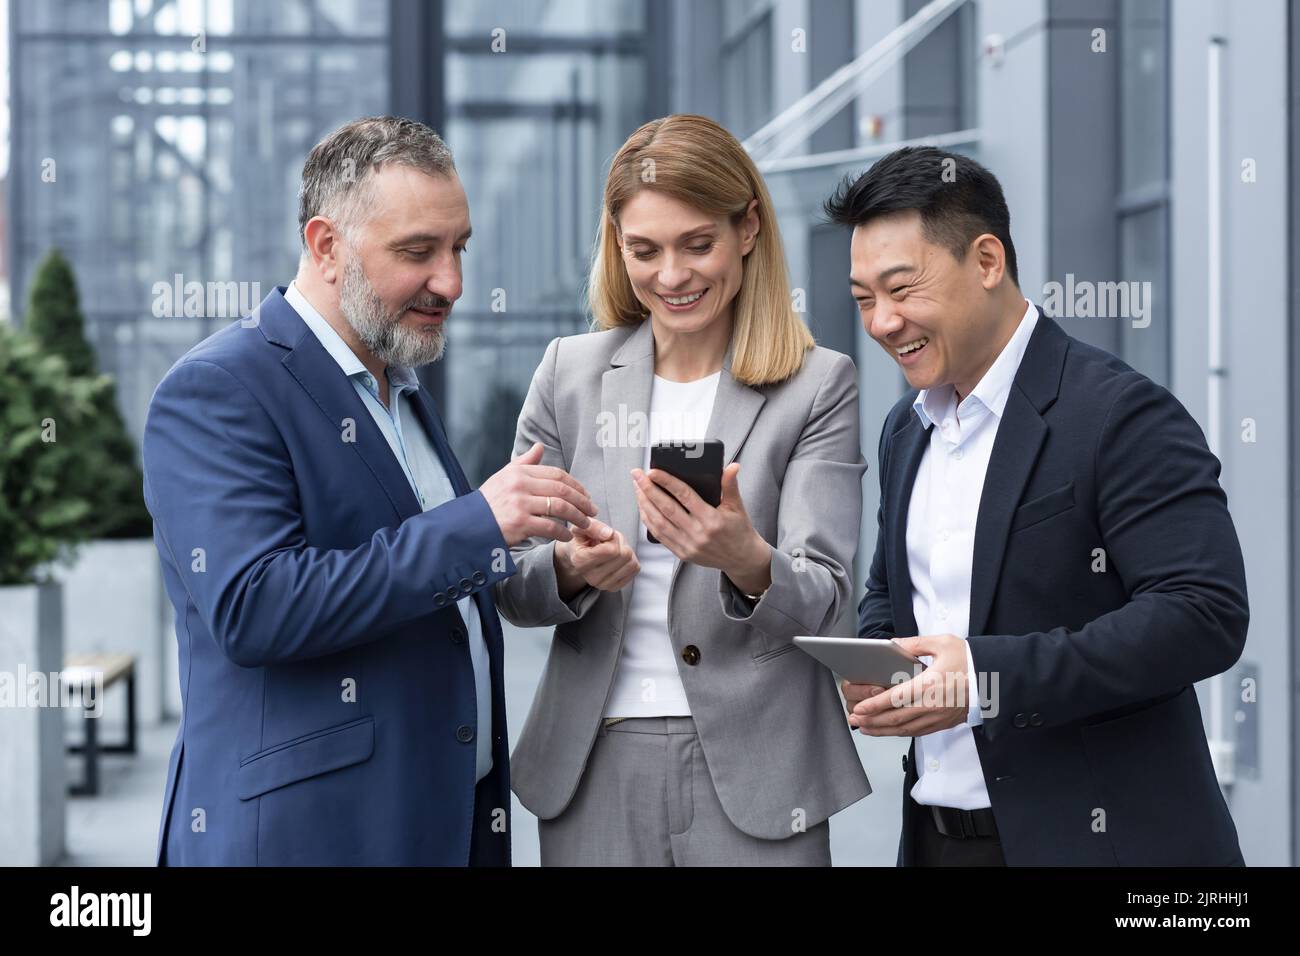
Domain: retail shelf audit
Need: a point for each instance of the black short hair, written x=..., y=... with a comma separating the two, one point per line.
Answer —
x=958, y=199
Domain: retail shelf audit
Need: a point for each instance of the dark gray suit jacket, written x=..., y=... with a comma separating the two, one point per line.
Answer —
x=1097, y=754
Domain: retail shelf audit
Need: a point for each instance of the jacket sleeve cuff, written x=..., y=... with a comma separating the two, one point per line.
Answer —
x=541, y=590
x=767, y=614
x=482, y=557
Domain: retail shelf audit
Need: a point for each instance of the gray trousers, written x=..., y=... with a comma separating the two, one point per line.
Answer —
x=646, y=799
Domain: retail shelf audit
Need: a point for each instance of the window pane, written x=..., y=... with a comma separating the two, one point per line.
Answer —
x=1144, y=244
x=173, y=162
x=533, y=132
x=1144, y=94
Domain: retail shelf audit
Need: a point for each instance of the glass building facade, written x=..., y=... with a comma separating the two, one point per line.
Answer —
x=175, y=157
x=538, y=99
x=176, y=130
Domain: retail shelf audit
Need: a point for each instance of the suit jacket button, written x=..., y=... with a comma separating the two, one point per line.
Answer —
x=1035, y=720
x=452, y=593
x=480, y=578
x=458, y=635
x=466, y=586
x=1020, y=720
x=464, y=733
x=691, y=654
x=439, y=599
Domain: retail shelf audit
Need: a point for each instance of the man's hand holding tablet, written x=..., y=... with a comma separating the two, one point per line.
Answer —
x=937, y=699
x=924, y=697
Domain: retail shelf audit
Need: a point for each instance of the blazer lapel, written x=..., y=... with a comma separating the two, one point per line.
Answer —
x=625, y=399
x=1015, y=450
x=625, y=402
x=735, y=408
x=907, y=448
x=1020, y=438
x=336, y=397
x=427, y=413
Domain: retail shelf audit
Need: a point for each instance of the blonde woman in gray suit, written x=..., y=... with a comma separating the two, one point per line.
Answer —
x=676, y=723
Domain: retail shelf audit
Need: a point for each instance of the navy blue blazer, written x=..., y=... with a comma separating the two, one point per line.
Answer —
x=1097, y=754
x=329, y=704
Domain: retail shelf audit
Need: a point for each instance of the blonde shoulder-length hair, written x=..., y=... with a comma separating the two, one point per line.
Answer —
x=697, y=162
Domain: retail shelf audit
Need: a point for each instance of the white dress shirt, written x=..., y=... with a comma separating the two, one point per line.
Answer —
x=940, y=549
x=414, y=451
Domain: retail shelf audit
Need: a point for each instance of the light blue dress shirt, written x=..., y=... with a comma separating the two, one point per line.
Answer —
x=414, y=451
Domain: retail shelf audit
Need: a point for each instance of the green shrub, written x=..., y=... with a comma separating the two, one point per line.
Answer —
x=42, y=513
x=108, y=477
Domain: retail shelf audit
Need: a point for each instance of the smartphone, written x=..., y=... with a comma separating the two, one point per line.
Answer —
x=698, y=463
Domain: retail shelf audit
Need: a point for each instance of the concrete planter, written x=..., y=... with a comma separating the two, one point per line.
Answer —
x=33, y=778
x=113, y=603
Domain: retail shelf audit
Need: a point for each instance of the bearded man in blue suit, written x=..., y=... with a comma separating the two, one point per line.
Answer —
x=331, y=569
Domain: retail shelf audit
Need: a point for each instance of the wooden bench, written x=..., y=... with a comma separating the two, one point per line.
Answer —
x=80, y=671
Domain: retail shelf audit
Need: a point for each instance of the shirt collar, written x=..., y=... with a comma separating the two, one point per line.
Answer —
x=994, y=388
x=399, y=378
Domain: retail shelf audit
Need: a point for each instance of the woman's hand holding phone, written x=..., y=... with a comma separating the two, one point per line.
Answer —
x=695, y=531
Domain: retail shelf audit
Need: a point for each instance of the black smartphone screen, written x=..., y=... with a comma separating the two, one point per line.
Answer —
x=697, y=463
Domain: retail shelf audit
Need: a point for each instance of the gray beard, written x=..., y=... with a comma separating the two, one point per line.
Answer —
x=387, y=339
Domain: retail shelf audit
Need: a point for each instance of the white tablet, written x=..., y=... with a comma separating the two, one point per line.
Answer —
x=863, y=660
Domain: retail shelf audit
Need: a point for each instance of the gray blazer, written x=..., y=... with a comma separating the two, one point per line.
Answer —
x=768, y=716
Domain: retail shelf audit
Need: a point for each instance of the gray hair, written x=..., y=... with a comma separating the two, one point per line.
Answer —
x=336, y=176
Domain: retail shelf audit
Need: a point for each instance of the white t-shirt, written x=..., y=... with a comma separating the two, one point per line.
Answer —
x=646, y=683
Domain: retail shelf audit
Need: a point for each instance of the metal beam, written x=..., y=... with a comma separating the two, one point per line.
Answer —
x=792, y=127
x=508, y=109
x=614, y=44
x=418, y=90
x=866, y=154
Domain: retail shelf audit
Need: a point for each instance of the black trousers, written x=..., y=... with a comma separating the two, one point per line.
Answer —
x=486, y=847
x=932, y=848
